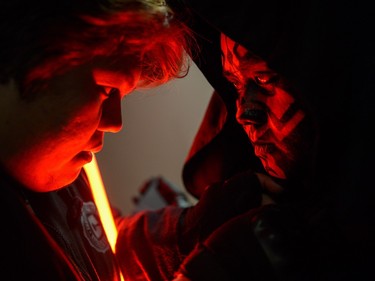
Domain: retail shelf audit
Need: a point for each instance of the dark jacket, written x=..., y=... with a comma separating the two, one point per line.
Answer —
x=53, y=236
x=323, y=48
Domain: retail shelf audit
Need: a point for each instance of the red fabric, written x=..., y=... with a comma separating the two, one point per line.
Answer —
x=220, y=150
x=147, y=245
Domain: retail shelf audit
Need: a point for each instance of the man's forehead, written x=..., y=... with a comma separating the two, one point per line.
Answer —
x=230, y=59
x=236, y=57
x=228, y=45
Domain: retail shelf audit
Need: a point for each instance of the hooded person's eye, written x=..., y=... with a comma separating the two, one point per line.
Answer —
x=107, y=91
x=237, y=84
x=266, y=78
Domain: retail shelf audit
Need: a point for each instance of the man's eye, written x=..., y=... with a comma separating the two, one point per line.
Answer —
x=233, y=79
x=108, y=90
x=240, y=87
x=266, y=78
x=236, y=84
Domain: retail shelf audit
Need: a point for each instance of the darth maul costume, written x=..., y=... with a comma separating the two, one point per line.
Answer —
x=322, y=48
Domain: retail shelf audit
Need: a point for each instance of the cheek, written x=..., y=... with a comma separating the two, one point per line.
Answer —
x=279, y=102
x=84, y=119
x=296, y=146
x=284, y=114
x=273, y=167
x=73, y=122
x=281, y=130
x=74, y=101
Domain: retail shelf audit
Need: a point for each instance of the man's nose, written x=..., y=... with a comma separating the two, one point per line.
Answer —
x=251, y=115
x=251, y=108
x=111, y=119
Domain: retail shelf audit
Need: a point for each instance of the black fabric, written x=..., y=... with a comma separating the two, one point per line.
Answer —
x=28, y=253
x=218, y=203
x=220, y=150
x=45, y=236
x=71, y=217
x=262, y=244
x=325, y=49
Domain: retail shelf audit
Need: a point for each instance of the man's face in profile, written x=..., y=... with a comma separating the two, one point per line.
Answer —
x=272, y=117
x=51, y=137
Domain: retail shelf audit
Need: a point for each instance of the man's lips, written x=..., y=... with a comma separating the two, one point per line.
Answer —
x=262, y=149
x=97, y=148
x=256, y=134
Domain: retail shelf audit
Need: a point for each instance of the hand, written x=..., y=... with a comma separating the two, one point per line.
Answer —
x=157, y=193
x=262, y=244
x=219, y=203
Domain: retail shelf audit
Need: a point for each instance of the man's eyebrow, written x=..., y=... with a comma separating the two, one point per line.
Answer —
x=227, y=73
x=230, y=75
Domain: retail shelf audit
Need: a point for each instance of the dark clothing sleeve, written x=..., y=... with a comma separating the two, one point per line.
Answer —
x=147, y=246
x=54, y=235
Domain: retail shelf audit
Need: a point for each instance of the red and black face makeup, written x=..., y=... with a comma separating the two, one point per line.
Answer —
x=272, y=117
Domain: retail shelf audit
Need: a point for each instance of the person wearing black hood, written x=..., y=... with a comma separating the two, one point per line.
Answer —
x=285, y=108
x=293, y=67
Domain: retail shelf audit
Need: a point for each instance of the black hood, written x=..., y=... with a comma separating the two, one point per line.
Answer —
x=326, y=49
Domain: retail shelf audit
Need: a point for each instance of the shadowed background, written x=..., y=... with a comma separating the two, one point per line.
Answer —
x=158, y=128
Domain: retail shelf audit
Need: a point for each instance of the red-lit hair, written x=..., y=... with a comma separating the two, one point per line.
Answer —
x=50, y=37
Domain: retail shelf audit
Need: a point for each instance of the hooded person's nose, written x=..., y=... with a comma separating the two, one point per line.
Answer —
x=251, y=107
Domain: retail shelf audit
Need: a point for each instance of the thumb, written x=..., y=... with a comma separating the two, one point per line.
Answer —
x=268, y=184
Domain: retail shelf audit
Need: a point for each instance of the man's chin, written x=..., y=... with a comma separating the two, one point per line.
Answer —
x=68, y=179
x=273, y=170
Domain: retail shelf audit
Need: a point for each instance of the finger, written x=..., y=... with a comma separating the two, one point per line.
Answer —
x=269, y=184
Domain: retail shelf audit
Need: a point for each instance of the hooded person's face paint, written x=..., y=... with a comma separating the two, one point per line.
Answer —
x=272, y=117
